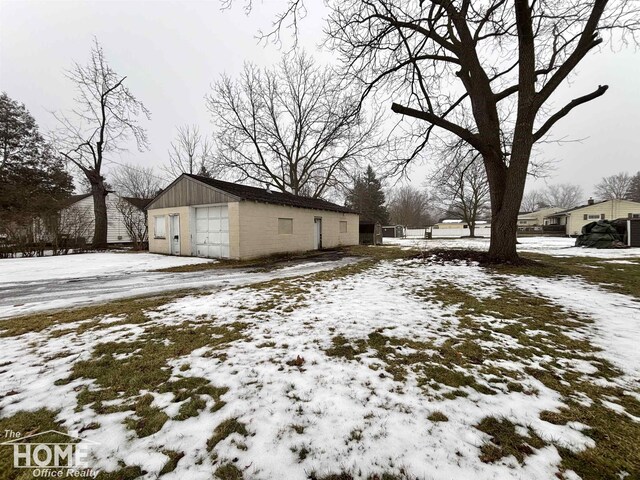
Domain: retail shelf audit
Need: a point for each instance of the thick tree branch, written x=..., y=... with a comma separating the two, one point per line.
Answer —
x=461, y=132
x=546, y=126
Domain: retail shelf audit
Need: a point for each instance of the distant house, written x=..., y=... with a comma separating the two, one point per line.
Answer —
x=459, y=228
x=204, y=217
x=77, y=218
x=575, y=218
x=535, y=221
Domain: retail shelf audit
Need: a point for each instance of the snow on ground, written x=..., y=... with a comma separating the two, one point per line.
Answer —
x=332, y=413
x=26, y=297
x=617, y=317
x=82, y=265
x=557, y=246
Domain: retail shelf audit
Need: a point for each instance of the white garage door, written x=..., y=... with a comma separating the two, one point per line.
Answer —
x=212, y=232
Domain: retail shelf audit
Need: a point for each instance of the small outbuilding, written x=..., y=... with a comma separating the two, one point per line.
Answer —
x=204, y=217
x=370, y=233
x=393, y=231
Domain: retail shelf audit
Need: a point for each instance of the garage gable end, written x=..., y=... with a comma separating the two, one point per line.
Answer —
x=186, y=191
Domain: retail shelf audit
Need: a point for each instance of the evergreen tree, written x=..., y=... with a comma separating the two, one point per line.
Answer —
x=367, y=198
x=32, y=180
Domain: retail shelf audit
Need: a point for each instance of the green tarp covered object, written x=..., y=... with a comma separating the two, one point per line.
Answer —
x=600, y=234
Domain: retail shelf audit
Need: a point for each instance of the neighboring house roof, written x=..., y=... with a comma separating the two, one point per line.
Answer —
x=573, y=209
x=67, y=202
x=141, y=203
x=568, y=210
x=537, y=213
x=245, y=192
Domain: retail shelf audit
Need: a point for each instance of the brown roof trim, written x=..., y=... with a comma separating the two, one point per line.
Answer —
x=255, y=194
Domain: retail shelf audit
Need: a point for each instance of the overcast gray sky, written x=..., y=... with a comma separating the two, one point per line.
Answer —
x=172, y=51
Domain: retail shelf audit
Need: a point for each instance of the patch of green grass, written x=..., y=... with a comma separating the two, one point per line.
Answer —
x=301, y=452
x=224, y=429
x=299, y=429
x=148, y=419
x=228, y=471
x=374, y=476
x=355, y=435
x=132, y=309
x=437, y=416
x=420, y=359
x=191, y=408
x=505, y=441
x=343, y=348
x=172, y=463
x=120, y=370
x=124, y=368
x=616, y=447
x=124, y=473
x=617, y=277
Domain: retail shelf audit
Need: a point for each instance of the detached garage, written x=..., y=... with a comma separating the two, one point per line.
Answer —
x=204, y=217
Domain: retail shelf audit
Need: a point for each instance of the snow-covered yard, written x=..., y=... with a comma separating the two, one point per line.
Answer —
x=556, y=246
x=398, y=366
x=82, y=265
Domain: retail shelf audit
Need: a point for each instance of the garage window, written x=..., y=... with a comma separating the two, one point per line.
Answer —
x=159, y=227
x=285, y=226
x=343, y=227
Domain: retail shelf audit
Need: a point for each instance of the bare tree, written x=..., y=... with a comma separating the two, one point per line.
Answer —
x=74, y=224
x=295, y=127
x=104, y=121
x=463, y=186
x=134, y=219
x=409, y=206
x=133, y=181
x=135, y=186
x=615, y=187
x=532, y=201
x=483, y=72
x=563, y=195
x=191, y=152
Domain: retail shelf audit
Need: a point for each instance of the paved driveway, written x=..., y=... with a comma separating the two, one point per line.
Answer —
x=22, y=297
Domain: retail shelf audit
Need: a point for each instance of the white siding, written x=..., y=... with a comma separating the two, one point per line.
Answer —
x=116, y=231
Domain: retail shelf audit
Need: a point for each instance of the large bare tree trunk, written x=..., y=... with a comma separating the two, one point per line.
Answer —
x=506, y=195
x=99, y=194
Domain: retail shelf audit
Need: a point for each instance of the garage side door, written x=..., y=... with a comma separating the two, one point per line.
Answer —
x=212, y=232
